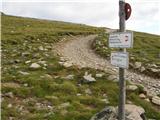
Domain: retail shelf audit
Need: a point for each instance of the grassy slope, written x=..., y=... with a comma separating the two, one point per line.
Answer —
x=146, y=49
x=21, y=38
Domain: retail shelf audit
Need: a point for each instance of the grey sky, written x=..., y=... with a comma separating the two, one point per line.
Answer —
x=145, y=13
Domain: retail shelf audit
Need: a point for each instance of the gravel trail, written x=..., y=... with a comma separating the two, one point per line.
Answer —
x=78, y=51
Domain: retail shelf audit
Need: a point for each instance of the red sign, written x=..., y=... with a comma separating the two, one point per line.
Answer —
x=128, y=10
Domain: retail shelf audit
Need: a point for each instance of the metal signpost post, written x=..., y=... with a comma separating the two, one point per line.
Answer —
x=120, y=59
x=122, y=84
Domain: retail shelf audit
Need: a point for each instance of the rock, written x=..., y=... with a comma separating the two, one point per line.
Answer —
x=147, y=99
x=25, y=54
x=137, y=65
x=35, y=66
x=48, y=76
x=79, y=94
x=9, y=94
x=88, y=78
x=133, y=112
x=69, y=77
x=142, y=96
x=105, y=100
x=9, y=105
x=88, y=91
x=67, y=64
x=142, y=69
x=41, y=48
x=42, y=62
x=108, y=113
x=64, y=105
x=132, y=87
x=27, y=61
x=99, y=75
x=156, y=100
x=113, y=77
x=154, y=70
x=25, y=85
x=24, y=73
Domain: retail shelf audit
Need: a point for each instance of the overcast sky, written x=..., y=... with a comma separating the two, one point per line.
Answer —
x=145, y=13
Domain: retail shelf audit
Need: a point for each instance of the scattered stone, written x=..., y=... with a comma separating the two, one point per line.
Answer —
x=9, y=105
x=64, y=105
x=142, y=96
x=42, y=62
x=35, y=66
x=48, y=76
x=25, y=85
x=79, y=94
x=28, y=62
x=69, y=77
x=133, y=112
x=24, y=73
x=41, y=48
x=147, y=99
x=113, y=77
x=132, y=87
x=88, y=91
x=67, y=64
x=88, y=78
x=105, y=100
x=99, y=75
x=9, y=94
x=156, y=100
x=137, y=65
x=25, y=54
x=143, y=69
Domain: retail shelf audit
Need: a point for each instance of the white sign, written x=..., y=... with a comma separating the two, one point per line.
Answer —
x=120, y=59
x=121, y=40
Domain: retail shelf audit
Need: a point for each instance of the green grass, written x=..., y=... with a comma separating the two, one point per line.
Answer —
x=146, y=49
x=21, y=39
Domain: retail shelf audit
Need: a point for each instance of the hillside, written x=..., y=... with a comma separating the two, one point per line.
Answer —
x=144, y=56
x=35, y=86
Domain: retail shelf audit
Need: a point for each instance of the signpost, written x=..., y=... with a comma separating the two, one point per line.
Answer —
x=120, y=59
x=121, y=40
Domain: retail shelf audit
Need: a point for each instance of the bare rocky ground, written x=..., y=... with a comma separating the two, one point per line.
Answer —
x=77, y=51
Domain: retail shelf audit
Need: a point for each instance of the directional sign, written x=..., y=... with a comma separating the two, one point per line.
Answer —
x=121, y=40
x=120, y=59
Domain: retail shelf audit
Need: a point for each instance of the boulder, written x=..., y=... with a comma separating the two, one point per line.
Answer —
x=156, y=100
x=133, y=112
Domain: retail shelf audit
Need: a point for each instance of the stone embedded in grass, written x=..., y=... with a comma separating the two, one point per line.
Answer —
x=24, y=73
x=88, y=78
x=64, y=105
x=143, y=69
x=133, y=112
x=69, y=77
x=41, y=48
x=67, y=64
x=156, y=100
x=137, y=65
x=88, y=91
x=99, y=75
x=35, y=66
x=132, y=87
x=112, y=77
x=28, y=62
x=142, y=96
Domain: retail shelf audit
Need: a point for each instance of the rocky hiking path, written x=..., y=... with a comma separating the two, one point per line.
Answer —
x=77, y=51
